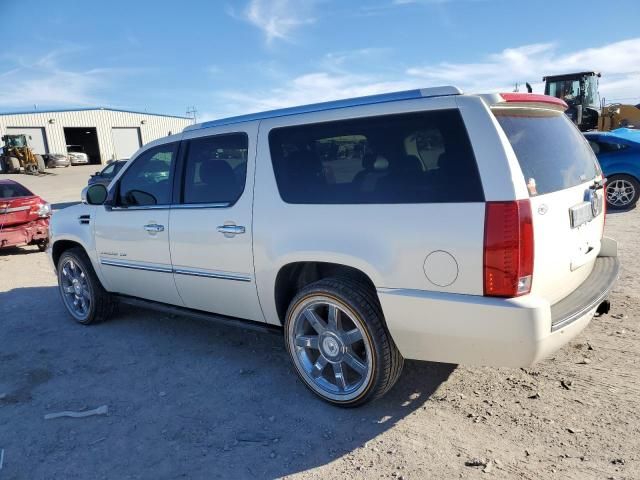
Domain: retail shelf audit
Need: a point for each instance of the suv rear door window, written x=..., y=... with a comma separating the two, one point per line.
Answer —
x=148, y=180
x=552, y=153
x=423, y=157
x=216, y=169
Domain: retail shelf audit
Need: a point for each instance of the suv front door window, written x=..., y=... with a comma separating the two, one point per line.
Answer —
x=148, y=180
x=132, y=234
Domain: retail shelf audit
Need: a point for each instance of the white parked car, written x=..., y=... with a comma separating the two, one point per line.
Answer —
x=76, y=155
x=424, y=224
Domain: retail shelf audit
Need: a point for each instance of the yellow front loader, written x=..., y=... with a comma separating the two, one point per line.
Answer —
x=17, y=156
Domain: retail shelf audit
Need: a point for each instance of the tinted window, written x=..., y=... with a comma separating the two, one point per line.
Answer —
x=611, y=147
x=409, y=158
x=552, y=153
x=10, y=190
x=148, y=179
x=109, y=170
x=216, y=169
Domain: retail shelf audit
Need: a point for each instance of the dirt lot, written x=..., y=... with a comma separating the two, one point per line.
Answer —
x=188, y=399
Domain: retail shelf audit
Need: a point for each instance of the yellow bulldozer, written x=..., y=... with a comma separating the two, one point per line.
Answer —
x=18, y=157
x=588, y=112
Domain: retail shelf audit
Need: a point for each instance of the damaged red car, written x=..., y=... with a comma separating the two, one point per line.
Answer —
x=24, y=217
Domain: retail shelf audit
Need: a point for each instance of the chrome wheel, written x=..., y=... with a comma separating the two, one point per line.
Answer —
x=620, y=193
x=75, y=289
x=331, y=348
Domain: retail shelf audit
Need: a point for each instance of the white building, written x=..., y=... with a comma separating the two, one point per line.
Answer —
x=103, y=133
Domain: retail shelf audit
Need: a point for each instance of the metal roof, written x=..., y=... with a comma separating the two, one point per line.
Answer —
x=61, y=110
x=564, y=76
x=335, y=104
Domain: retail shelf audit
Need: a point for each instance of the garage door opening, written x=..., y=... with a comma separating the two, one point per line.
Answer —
x=84, y=139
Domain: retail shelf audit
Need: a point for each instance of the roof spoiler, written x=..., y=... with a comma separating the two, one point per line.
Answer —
x=517, y=99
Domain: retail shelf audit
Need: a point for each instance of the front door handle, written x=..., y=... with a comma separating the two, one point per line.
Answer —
x=154, y=228
x=231, y=229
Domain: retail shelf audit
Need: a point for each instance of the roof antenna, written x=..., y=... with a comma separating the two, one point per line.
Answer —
x=529, y=88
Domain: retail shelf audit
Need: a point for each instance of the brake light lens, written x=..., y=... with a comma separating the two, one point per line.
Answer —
x=508, y=248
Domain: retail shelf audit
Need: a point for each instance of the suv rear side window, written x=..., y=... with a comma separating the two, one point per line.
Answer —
x=148, y=180
x=552, y=153
x=423, y=157
x=216, y=169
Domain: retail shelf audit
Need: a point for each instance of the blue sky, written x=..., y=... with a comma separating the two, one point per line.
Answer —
x=235, y=57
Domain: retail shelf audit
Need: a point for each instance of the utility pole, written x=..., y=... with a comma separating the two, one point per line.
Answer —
x=192, y=112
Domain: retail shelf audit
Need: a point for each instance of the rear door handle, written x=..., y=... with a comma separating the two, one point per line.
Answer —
x=154, y=227
x=231, y=229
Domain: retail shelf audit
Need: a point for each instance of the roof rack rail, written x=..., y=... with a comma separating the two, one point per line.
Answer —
x=332, y=105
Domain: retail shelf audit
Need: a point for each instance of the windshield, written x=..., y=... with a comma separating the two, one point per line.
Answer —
x=552, y=153
x=17, y=141
x=567, y=90
x=591, y=95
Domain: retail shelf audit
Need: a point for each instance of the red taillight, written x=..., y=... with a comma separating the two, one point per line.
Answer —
x=508, y=248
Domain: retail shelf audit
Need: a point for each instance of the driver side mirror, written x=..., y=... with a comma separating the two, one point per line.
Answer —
x=95, y=194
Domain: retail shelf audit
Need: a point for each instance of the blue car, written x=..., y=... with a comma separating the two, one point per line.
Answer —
x=618, y=152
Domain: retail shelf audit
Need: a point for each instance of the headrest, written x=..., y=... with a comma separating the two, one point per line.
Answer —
x=216, y=172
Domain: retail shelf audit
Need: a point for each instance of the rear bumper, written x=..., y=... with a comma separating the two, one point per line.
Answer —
x=25, y=233
x=475, y=330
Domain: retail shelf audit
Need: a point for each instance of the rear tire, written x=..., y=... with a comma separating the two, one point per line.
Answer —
x=81, y=291
x=338, y=342
x=622, y=192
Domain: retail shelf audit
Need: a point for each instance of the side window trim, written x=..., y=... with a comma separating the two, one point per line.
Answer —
x=112, y=199
x=181, y=173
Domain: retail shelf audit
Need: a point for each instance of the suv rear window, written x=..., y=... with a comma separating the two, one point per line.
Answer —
x=552, y=153
x=423, y=157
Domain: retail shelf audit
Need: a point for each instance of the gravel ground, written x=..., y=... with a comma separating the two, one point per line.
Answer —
x=191, y=399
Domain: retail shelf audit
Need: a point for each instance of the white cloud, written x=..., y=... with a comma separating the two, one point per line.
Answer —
x=619, y=63
x=44, y=82
x=307, y=88
x=279, y=18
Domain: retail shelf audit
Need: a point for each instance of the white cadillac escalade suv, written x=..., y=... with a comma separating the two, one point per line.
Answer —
x=424, y=224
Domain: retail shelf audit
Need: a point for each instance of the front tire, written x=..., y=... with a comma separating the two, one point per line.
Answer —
x=622, y=192
x=40, y=163
x=81, y=291
x=338, y=342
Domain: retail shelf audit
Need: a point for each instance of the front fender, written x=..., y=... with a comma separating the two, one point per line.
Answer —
x=621, y=167
x=75, y=224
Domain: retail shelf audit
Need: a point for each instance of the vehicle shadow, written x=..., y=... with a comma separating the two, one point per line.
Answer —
x=23, y=250
x=611, y=211
x=186, y=397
